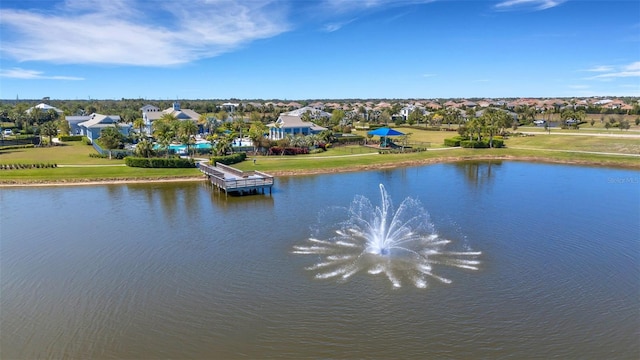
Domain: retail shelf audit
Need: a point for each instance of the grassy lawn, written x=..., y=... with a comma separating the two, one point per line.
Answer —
x=73, y=152
x=74, y=163
x=578, y=143
x=92, y=174
x=306, y=164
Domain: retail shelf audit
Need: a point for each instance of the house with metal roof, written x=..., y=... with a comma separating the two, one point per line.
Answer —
x=313, y=112
x=44, y=108
x=292, y=125
x=151, y=113
x=94, y=124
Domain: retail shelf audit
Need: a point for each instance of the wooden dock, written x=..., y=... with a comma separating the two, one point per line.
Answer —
x=233, y=180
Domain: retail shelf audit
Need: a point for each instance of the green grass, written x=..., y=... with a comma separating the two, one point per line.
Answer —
x=73, y=152
x=305, y=164
x=85, y=168
x=578, y=143
x=553, y=148
x=92, y=174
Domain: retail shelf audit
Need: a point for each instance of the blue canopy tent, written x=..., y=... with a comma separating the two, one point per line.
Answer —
x=385, y=132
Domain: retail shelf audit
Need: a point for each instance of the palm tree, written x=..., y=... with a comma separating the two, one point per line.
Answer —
x=139, y=124
x=49, y=129
x=203, y=120
x=256, y=134
x=223, y=145
x=163, y=131
x=491, y=119
x=188, y=129
x=144, y=148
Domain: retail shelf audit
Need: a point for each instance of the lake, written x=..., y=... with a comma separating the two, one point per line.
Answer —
x=181, y=271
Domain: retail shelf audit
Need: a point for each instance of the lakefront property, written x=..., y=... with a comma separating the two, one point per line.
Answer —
x=321, y=136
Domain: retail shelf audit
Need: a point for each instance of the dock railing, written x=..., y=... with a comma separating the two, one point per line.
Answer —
x=229, y=178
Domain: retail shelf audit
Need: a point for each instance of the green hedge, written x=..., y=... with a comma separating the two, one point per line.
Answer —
x=452, y=142
x=229, y=159
x=497, y=143
x=482, y=144
x=159, y=162
x=349, y=139
x=13, y=147
x=71, y=138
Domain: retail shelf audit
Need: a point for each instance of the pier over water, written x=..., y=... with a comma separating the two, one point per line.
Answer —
x=232, y=180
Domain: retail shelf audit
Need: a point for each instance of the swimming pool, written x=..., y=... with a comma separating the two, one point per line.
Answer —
x=182, y=149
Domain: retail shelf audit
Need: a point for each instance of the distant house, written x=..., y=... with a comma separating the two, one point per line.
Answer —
x=151, y=113
x=314, y=112
x=44, y=108
x=94, y=124
x=292, y=125
x=229, y=107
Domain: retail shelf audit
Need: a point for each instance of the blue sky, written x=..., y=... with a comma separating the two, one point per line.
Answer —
x=326, y=49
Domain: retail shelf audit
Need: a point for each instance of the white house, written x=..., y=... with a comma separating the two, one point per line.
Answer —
x=94, y=124
x=314, y=112
x=44, y=108
x=292, y=125
x=151, y=113
x=230, y=107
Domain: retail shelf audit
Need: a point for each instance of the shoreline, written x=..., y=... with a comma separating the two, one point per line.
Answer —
x=391, y=165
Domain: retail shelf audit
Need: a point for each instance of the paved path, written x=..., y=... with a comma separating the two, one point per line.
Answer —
x=95, y=165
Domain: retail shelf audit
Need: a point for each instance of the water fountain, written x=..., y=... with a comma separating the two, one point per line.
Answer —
x=399, y=243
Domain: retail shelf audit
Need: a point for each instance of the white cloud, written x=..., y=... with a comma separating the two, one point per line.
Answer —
x=18, y=73
x=630, y=70
x=635, y=66
x=601, y=68
x=428, y=75
x=535, y=4
x=337, y=26
x=138, y=33
x=342, y=6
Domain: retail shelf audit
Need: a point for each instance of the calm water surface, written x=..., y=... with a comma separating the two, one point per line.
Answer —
x=180, y=271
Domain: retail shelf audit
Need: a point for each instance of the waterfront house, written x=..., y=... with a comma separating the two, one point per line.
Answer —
x=94, y=124
x=151, y=113
x=292, y=125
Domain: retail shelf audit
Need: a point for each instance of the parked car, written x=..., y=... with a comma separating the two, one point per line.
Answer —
x=8, y=132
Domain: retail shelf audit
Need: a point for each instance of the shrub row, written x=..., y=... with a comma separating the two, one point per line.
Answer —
x=482, y=144
x=277, y=150
x=71, y=138
x=228, y=159
x=349, y=139
x=403, y=151
x=13, y=147
x=26, y=166
x=452, y=142
x=426, y=128
x=159, y=162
